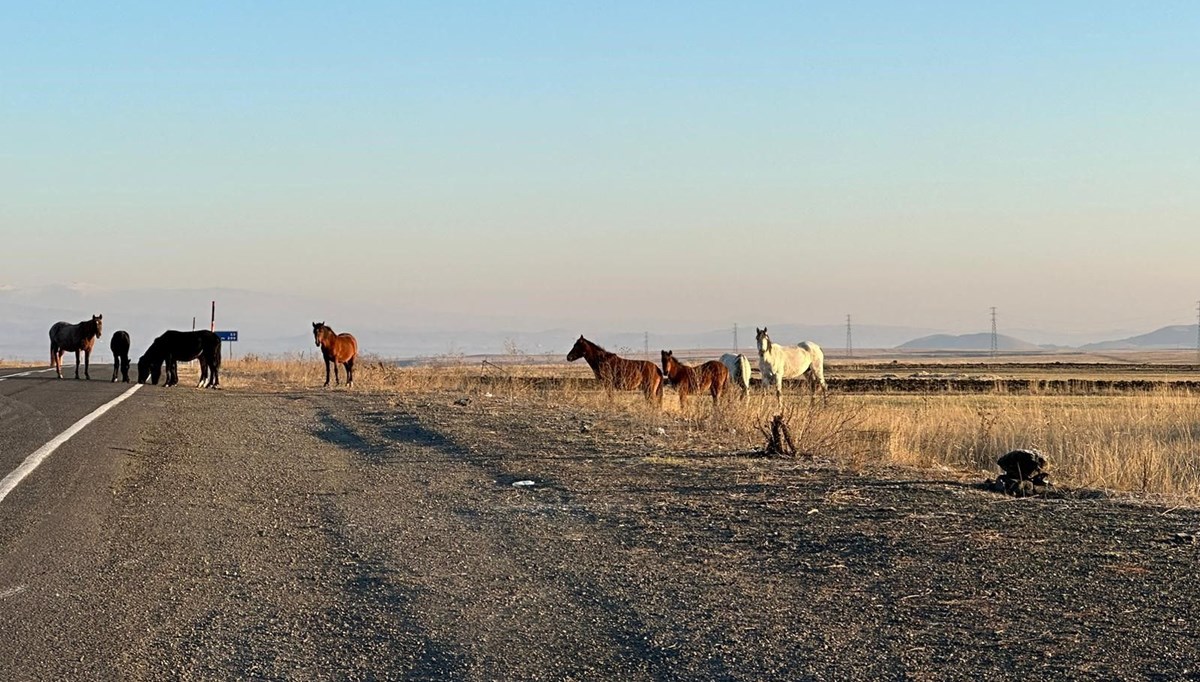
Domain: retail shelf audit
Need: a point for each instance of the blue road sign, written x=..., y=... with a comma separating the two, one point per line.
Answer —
x=227, y=336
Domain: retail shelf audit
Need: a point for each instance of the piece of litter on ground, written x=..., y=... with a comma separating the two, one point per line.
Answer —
x=487, y=395
x=661, y=431
x=522, y=483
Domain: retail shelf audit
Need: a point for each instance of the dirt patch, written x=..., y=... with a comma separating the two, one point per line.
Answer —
x=670, y=562
x=353, y=535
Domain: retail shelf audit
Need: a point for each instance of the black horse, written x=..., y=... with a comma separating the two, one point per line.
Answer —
x=175, y=346
x=120, y=351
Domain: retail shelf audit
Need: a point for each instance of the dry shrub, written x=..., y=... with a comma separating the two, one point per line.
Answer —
x=1144, y=442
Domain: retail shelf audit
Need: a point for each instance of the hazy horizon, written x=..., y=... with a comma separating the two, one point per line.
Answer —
x=670, y=165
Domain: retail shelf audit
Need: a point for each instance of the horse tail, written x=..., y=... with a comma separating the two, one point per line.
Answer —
x=817, y=363
x=216, y=356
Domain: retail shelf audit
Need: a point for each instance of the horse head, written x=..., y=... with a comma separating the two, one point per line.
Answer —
x=763, y=341
x=148, y=370
x=317, y=328
x=98, y=320
x=668, y=361
x=577, y=351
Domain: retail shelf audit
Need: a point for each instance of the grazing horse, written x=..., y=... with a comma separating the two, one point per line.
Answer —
x=778, y=362
x=337, y=349
x=711, y=375
x=120, y=351
x=65, y=336
x=739, y=371
x=175, y=346
x=616, y=372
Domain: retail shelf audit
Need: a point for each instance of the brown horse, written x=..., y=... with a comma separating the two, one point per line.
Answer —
x=337, y=349
x=65, y=336
x=712, y=375
x=616, y=372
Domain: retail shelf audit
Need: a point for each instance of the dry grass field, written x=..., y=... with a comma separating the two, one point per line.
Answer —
x=1143, y=442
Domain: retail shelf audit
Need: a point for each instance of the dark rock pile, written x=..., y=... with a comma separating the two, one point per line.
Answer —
x=1024, y=474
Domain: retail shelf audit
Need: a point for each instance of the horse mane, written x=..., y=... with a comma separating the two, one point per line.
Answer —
x=600, y=349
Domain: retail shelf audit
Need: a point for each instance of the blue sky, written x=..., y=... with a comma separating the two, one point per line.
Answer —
x=785, y=162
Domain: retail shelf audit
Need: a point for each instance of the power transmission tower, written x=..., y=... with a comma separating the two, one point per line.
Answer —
x=994, y=344
x=736, y=348
x=646, y=340
x=849, y=340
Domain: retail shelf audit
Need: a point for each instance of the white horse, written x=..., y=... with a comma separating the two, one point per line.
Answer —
x=778, y=362
x=739, y=371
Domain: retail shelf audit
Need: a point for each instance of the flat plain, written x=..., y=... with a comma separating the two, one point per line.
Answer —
x=506, y=521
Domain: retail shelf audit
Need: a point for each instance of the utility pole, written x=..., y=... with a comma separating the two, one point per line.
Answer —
x=1197, y=332
x=994, y=344
x=849, y=339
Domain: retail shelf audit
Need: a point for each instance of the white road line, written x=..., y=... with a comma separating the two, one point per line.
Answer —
x=22, y=374
x=31, y=462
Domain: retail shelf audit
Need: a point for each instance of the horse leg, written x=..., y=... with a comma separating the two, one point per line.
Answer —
x=87, y=360
x=214, y=377
x=337, y=381
x=116, y=367
x=349, y=372
x=76, y=364
x=125, y=369
x=326, y=371
x=203, y=373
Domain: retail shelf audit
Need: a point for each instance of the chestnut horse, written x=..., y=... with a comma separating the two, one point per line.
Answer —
x=65, y=336
x=711, y=375
x=120, y=351
x=616, y=372
x=337, y=349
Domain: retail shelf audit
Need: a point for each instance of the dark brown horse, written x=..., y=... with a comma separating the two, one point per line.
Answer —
x=617, y=373
x=711, y=376
x=174, y=347
x=120, y=351
x=65, y=337
x=337, y=349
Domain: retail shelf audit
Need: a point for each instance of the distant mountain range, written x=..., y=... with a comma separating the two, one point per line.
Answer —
x=274, y=324
x=968, y=342
x=1171, y=337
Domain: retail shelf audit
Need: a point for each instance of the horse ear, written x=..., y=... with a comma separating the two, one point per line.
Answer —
x=99, y=317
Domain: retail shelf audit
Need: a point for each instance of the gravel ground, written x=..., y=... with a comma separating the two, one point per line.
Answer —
x=342, y=535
